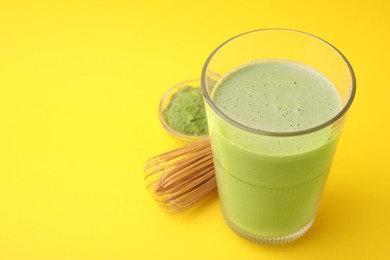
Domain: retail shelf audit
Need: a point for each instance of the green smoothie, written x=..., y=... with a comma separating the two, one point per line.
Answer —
x=270, y=186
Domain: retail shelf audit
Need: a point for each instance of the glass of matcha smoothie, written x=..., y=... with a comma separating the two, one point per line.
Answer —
x=276, y=101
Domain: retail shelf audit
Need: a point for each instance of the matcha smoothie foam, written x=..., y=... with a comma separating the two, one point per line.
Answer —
x=270, y=186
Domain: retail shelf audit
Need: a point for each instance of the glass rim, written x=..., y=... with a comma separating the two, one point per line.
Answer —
x=332, y=120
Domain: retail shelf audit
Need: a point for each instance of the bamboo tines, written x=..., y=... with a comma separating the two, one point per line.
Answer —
x=180, y=178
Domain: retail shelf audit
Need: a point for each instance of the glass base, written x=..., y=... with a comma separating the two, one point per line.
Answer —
x=269, y=240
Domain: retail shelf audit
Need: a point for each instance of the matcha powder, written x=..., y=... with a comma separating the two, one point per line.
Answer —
x=186, y=113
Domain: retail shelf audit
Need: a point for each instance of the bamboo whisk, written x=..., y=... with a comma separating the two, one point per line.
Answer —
x=180, y=178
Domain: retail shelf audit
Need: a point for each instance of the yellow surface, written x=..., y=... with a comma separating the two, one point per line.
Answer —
x=79, y=86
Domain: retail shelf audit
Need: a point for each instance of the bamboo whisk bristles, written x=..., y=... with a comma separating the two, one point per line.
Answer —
x=180, y=178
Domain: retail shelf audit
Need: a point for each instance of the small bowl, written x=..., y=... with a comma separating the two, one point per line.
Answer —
x=165, y=101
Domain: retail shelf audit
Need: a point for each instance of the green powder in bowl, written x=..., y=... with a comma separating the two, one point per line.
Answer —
x=182, y=111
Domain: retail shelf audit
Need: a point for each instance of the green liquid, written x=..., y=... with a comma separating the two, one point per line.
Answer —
x=277, y=96
x=270, y=186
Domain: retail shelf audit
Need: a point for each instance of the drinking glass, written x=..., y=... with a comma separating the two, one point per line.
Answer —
x=270, y=183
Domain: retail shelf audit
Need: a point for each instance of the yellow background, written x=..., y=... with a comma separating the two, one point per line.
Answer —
x=80, y=82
